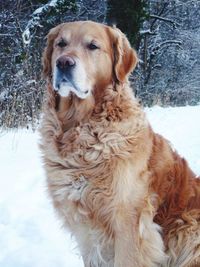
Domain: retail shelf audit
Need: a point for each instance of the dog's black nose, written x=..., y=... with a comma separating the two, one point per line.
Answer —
x=65, y=63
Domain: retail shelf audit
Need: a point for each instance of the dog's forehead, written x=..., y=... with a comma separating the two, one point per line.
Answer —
x=84, y=30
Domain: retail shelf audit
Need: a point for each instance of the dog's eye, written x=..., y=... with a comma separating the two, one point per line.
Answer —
x=93, y=46
x=62, y=43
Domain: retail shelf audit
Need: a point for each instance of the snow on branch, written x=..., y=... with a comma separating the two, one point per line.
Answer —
x=174, y=23
x=148, y=31
x=165, y=43
x=37, y=16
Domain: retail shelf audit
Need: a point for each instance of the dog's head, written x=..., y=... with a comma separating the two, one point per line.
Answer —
x=83, y=56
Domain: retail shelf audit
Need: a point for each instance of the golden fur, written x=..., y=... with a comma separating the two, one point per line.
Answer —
x=127, y=197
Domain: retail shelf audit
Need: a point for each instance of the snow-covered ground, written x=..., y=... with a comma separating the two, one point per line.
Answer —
x=30, y=233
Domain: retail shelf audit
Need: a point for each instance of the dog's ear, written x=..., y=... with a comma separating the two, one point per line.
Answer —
x=46, y=57
x=124, y=57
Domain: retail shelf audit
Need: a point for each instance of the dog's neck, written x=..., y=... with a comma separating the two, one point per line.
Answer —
x=72, y=111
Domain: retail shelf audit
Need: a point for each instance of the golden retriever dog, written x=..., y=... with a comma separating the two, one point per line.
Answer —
x=128, y=198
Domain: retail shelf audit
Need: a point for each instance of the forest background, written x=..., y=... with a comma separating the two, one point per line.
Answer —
x=165, y=33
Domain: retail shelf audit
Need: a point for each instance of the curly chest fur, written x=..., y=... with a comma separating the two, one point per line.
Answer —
x=84, y=181
x=82, y=202
x=81, y=179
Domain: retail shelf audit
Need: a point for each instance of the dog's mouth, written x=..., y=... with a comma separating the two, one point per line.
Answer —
x=64, y=86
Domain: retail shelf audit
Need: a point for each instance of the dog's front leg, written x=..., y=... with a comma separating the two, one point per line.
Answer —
x=126, y=242
x=138, y=242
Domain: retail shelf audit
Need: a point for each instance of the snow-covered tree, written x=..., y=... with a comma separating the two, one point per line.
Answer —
x=128, y=16
x=168, y=72
x=24, y=25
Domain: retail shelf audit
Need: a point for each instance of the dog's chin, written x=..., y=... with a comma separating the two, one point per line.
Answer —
x=64, y=90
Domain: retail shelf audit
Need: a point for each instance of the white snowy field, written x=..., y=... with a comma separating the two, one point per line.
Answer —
x=30, y=233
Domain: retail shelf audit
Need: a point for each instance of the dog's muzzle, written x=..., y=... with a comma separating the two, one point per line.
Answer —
x=66, y=78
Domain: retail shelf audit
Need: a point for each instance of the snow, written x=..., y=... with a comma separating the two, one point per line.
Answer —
x=181, y=126
x=31, y=234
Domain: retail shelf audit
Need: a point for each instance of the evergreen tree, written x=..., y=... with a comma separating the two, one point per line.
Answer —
x=128, y=16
